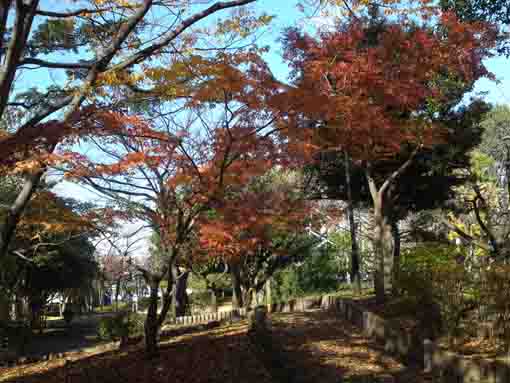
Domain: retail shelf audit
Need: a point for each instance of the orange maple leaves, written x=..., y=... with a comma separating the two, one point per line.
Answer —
x=369, y=87
x=251, y=218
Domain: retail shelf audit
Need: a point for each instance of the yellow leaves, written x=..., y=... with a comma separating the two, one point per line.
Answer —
x=242, y=23
x=46, y=215
x=180, y=179
x=28, y=166
x=122, y=3
x=117, y=78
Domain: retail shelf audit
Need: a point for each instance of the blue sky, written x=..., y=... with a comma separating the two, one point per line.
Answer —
x=286, y=15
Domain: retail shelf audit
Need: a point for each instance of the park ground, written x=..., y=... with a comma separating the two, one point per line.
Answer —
x=314, y=346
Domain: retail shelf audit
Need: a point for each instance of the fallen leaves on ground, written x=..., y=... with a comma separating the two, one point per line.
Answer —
x=219, y=355
x=325, y=349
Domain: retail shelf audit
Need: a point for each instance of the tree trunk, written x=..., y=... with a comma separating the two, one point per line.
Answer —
x=269, y=298
x=16, y=210
x=20, y=306
x=180, y=297
x=237, y=296
x=383, y=251
x=151, y=321
x=355, y=267
x=35, y=306
x=4, y=307
x=214, y=300
x=117, y=293
x=396, y=254
x=248, y=298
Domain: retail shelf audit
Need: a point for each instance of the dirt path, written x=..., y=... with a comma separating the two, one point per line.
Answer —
x=325, y=349
x=59, y=338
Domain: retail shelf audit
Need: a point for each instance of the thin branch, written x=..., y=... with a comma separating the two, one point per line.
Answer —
x=78, y=12
x=58, y=65
x=142, y=54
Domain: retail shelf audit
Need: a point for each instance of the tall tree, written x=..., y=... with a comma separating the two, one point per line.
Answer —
x=367, y=89
x=171, y=172
x=428, y=183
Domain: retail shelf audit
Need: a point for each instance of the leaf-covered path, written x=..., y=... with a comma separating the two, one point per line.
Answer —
x=315, y=346
x=322, y=348
x=223, y=355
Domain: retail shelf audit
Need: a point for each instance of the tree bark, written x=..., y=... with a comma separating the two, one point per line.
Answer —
x=248, y=298
x=396, y=254
x=117, y=293
x=237, y=296
x=214, y=300
x=180, y=297
x=17, y=42
x=383, y=250
x=151, y=321
x=4, y=307
x=355, y=264
x=13, y=215
x=383, y=236
x=269, y=298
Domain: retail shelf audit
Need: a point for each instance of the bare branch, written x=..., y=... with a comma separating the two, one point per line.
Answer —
x=78, y=12
x=49, y=64
x=142, y=54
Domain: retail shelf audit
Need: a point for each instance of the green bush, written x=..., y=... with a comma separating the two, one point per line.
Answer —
x=121, y=326
x=439, y=287
x=318, y=274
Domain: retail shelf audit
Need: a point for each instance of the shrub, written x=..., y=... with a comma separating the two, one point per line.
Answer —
x=495, y=295
x=441, y=287
x=120, y=327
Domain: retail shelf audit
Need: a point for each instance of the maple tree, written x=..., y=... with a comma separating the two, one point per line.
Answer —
x=171, y=171
x=428, y=183
x=368, y=89
x=258, y=230
x=107, y=41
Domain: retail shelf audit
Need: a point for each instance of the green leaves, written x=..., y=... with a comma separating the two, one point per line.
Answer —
x=54, y=35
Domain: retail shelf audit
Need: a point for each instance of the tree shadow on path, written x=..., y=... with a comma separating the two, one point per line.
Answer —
x=323, y=348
